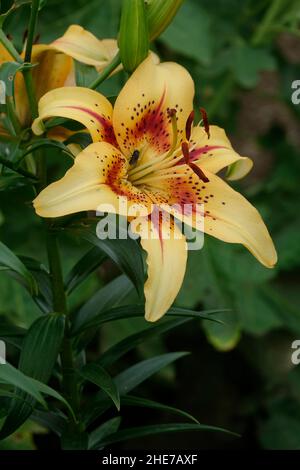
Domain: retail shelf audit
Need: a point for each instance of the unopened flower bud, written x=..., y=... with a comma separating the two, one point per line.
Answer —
x=134, y=35
x=160, y=13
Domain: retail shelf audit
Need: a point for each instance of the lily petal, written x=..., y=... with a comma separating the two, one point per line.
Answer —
x=227, y=214
x=86, y=106
x=215, y=153
x=141, y=119
x=231, y=218
x=4, y=55
x=96, y=181
x=85, y=47
x=53, y=70
x=166, y=260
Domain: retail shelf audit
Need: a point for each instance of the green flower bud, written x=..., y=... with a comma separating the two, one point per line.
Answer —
x=134, y=35
x=160, y=13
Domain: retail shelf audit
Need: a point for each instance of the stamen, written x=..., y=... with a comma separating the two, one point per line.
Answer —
x=172, y=116
x=205, y=121
x=186, y=152
x=188, y=126
x=142, y=170
x=193, y=166
x=199, y=172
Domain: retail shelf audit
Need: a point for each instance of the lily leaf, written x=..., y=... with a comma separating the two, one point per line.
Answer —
x=39, y=352
x=145, y=403
x=130, y=379
x=100, y=377
x=85, y=266
x=8, y=71
x=126, y=253
x=130, y=311
x=13, y=376
x=107, y=297
x=106, y=429
x=142, y=431
x=115, y=352
x=13, y=263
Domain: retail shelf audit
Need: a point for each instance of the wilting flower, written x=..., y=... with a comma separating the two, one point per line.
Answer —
x=147, y=151
x=55, y=65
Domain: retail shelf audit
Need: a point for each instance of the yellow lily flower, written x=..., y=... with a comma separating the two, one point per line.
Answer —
x=55, y=64
x=147, y=152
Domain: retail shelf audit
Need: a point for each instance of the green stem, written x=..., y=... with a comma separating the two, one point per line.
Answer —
x=27, y=72
x=106, y=72
x=264, y=27
x=60, y=305
x=12, y=115
x=30, y=93
x=35, y=4
x=69, y=381
x=12, y=167
x=10, y=47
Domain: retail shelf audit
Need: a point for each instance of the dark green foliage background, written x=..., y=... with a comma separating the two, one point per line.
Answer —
x=239, y=376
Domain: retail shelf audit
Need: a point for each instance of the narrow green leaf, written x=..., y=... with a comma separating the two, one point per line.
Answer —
x=11, y=261
x=130, y=379
x=100, y=377
x=10, y=333
x=54, y=421
x=8, y=71
x=44, y=297
x=15, y=377
x=129, y=311
x=145, y=403
x=45, y=143
x=85, y=266
x=43, y=388
x=39, y=353
x=114, y=353
x=16, y=4
x=84, y=74
x=83, y=139
x=126, y=253
x=41, y=346
x=110, y=295
x=135, y=375
x=106, y=429
x=142, y=431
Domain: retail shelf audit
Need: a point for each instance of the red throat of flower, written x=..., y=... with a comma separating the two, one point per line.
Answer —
x=193, y=166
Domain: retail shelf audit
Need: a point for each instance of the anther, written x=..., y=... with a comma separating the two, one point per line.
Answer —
x=195, y=168
x=199, y=172
x=172, y=115
x=188, y=126
x=205, y=121
x=134, y=157
x=186, y=152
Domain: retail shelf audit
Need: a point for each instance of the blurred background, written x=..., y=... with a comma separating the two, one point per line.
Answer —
x=244, y=56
